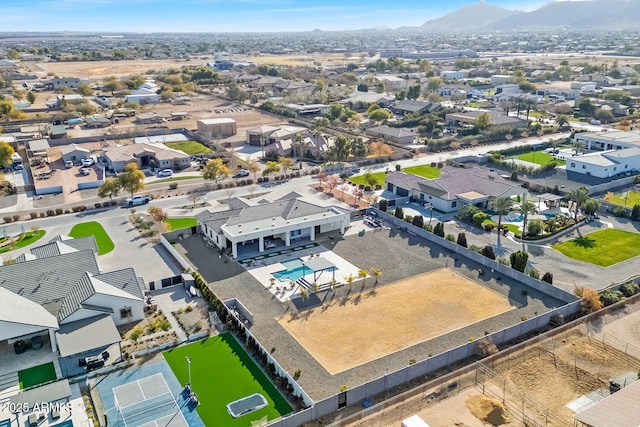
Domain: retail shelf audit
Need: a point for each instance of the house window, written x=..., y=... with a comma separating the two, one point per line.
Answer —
x=626, y=166
x=584, y=166
x=125, y=313
x=295, y=233
x=454, y=204
x=573, y=165
x=421, y=196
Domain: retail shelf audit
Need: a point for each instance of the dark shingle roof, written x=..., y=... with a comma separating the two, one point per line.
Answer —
x=48, y=280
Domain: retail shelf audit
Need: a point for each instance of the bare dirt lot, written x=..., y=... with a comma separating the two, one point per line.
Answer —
x=100, y=69
x=398, y=316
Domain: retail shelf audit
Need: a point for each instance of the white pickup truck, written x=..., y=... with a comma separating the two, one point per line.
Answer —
x=137, y=200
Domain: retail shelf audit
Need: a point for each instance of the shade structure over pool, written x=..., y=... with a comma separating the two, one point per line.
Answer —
x=318, y=265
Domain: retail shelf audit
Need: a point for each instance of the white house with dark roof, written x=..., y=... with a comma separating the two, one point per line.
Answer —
x=454, y=188
x=58, y=288
x=283, y=220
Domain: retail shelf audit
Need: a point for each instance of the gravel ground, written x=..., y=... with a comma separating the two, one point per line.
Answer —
x=398, y=255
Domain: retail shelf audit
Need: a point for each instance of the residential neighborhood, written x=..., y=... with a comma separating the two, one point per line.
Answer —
x=405, y=227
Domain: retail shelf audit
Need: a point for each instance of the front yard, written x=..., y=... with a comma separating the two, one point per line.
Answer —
x=191, y=148
x=540, y=157
x=628, y=198
x=93, y=228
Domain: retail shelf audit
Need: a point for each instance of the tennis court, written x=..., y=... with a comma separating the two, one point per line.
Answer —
x=222, y=373
x=148, y=402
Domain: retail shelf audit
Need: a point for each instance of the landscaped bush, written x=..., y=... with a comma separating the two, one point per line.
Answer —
x=556, y=320
x=534, y=227
x=173, y=185
x=534, y=273
x=488, y=227
x=620, y=211
x=383, y=205
x=97, y=205
x=475, y=248
x=59, y=211
x=438, y=230
x=399, y=213
x=428, y=227
x=16, y=217
x=7, y=219
x=479, y=218
x=635, y=213
x=418, y=221
x=519, y=260
x=408, y=218
x=610, y=296
x=547, y=277
x=466, y=213
x=488, y=252
x=462, y=240
x=486, y=347
x=33, y=215
x=629, y=289
x=50, y=212
x=450, y=237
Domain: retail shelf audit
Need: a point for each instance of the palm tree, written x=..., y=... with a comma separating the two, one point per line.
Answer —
x=502, y=206
x=562, y=120
x=362, y=274
x=579, y=195
x=304, y=293
x=529, y=105
x=526, y=208
x=349, y=281
x=577, y=147
x=376, y=272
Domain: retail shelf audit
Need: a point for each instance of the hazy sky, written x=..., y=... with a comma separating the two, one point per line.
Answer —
x=226, y=15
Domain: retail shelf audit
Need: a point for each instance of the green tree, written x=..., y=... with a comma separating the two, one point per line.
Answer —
x=111, y=188
x=376, y=273
x=526, y=208
x=434, y=83
x=526, y=86
x=534, y=227
x=579, y=196
x=483, y=121
x=462, y=240
x=84, y=89
x=562, y=120
x=635, y=213
x=502, y=205
x=380, y=115
x=413, y=92
x=6, y=151
x=6, y=108
x=591, y=206
x=519, y=260
x=399, y=212
x=214, y=170
x=605, y=116
x=547, y=277
x=31, y=97
x=111, y=84
x=132, y=179
x=252, y=166
x=438, y=230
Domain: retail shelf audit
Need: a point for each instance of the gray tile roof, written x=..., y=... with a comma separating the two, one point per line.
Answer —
x=47, y=281
x=60, y=245
x=74, y=299
x=125, y=280
x=87, y=334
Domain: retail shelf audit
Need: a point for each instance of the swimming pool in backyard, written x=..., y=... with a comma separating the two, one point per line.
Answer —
x=295, y=270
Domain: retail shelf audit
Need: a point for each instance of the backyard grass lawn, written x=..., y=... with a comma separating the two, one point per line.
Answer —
x=92, y=228
x=512, y=227
x=632, y=198
x=604, y=247
x=539, y=157
x=37, y=375
x=359, y=179
x=222, y=372
x=424, y=171
x=189, y=147
x=179, y=223
x=28, y=238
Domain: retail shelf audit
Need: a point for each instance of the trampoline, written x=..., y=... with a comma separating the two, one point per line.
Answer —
x=246, y=405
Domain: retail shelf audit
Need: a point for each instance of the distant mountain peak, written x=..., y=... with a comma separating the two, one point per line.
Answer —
x=474, y=16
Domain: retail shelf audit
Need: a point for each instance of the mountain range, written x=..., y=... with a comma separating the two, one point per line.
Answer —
x=596, y=14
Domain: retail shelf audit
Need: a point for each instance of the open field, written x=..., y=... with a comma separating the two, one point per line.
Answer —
x=93, y=228
x=37, y=375
x=628, y=198
x=222, y=372
x=391, y=318
x=100, y=69
x=605, y=247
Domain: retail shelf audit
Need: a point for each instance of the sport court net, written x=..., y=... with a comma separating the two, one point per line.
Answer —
x=148, y=402
x=246, y=405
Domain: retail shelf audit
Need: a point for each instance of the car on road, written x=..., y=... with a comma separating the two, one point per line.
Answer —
x=164, y=173
x=137, y=200
x=241, y=174
x=88, y=161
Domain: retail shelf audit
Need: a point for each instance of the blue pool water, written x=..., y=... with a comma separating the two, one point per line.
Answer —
x=294, y=271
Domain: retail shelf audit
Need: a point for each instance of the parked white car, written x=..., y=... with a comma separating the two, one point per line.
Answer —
x=164, y=173
x=88, y=161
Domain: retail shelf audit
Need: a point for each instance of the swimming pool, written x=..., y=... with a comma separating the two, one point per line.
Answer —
x=520, y=218
x=295, y=270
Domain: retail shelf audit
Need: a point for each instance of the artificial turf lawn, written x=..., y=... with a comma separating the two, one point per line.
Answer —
x=540, y=157
x=179, y=223
x=633, y=198
x=189, y=147
x=359, y=179
x=605, y=247
x=92, y=228
x=28, y=238
x=37, y=375
x=221, y=372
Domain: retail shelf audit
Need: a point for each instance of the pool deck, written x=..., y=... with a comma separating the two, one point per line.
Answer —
x=262, y=269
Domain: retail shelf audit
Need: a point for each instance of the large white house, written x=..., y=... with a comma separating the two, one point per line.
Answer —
x=609, y=140
x=146, y=93
x=606, y=164
x=280, y=222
